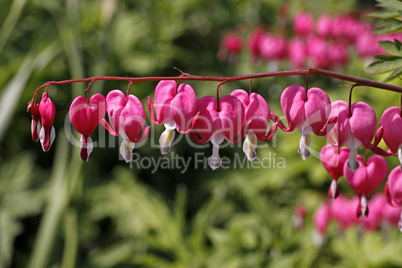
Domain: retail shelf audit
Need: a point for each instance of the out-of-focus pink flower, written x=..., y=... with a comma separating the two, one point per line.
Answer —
x=254, y=43
x=297, y=52
x=303, y=23
x=273, y=47
x=374, y=219
x=343, y=211
x=230, y=47
x=321, y=220
x=317, y=50
x=324, y=25
x=338, y=54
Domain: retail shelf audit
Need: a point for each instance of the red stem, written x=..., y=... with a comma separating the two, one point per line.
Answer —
x=310, y=71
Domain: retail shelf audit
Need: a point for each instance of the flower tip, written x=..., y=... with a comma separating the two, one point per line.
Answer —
x=333, y=190
x=214, y=162
x=86, y=148
x=164, y=148
x=353, y=165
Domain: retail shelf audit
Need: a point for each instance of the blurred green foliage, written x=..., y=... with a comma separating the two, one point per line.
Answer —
x=56, y=211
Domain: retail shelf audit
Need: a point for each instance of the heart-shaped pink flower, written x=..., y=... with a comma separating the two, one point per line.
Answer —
x=333, y=159
x=85, y=117
x=217, y=122
x=321, y=220
x=175, y=107
x=127, y=117
x=343, y=211
x=355, y=126
x=257, y=117
x=365, y=179
x=306, y=111
x=47, y=111
x=35, y=124
x=391, y=122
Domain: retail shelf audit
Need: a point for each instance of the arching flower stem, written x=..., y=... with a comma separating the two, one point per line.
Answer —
x=189, y=77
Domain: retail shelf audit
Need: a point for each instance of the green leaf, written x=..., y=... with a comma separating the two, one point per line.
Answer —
x=390, y=4
x=390, y=26
x=391, y=47
x=385, y=65
x=394, y=74
x=384, y=14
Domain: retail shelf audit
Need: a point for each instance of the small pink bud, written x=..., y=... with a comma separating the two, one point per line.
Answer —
x=47, y=112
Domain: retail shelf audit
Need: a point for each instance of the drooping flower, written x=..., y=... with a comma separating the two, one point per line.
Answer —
x=374, y=219
x=127, y=117
x=343, y=211
x=303, y=23
x=321, y=220
x=218, y=121
x=35, y=124
x=333, y=159
x=391, y=123
x=272, y=49
x=365, y=179
x=308, y=111
x=257, y=117
x=85, y=117
x=254, y=43
x=297, y=52
x=176, y=108
x=393, y=190
x=230, y=47
x=324, y=25
x=356, y=125
x=318, y=51
x=47, y=111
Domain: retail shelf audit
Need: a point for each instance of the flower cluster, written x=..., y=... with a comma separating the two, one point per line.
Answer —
x=243, y=115
x=340, y=211
x=325, y=42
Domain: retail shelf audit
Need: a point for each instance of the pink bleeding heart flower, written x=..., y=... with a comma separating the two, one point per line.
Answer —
x=307, y=111
x=254, y=43
x=299, y=217
x=230, y=47
x=356, y=125
x=391, y=123
x=303, y=23
x=374, y=219
x=297, y=52
x=343, y=211
x=85, y=117
x=217, y=122
x=47, y=111
x=321, y=220
x=333, y=159
x=127, y=117
x=318, y=51
x=393, y=190
x=272, y=49
x=35, y=124
x=365, y=179
x=324, y=25
x=176, y=108
x=257, y=116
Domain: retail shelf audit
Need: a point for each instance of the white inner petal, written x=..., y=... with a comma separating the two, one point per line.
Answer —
x=353, y=164
x=167, y=138
x=215, y=161
x=126, y=150
x=304, y=150
x=363, y=202
x=400, y=154
x=249, y=145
